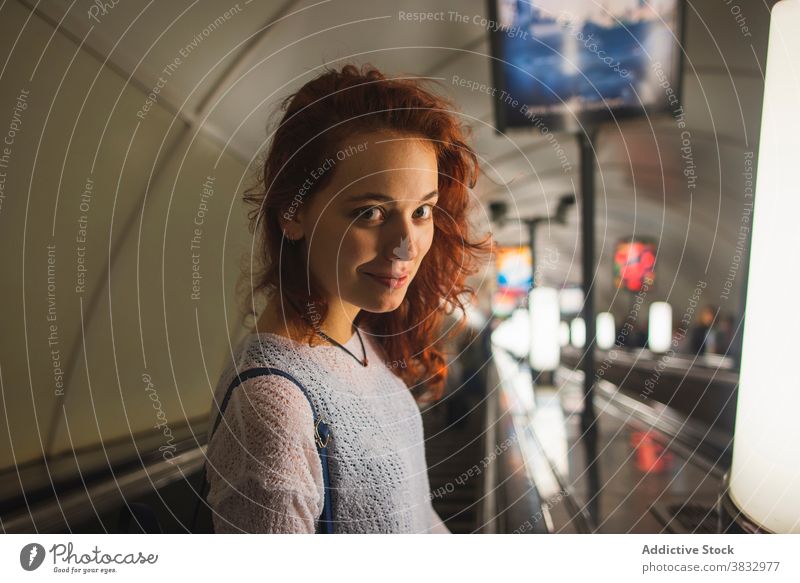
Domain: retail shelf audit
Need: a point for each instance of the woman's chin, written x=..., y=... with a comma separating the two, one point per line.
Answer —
x=383, y=305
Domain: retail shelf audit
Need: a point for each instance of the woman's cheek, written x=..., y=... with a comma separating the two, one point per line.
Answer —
x=326, y=261
x=355, y=249
x=428, y=241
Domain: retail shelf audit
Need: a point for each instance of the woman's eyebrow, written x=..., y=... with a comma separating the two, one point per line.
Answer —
x=383, y=197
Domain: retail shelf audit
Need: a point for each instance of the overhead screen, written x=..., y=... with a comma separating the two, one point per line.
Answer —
x=569, y=64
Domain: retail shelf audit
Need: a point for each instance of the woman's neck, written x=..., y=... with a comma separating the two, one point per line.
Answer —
x=338, y=323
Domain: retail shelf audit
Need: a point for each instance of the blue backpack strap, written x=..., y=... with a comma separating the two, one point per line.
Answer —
x=322, y=435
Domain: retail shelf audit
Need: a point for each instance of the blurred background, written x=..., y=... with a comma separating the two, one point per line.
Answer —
x=131, y=130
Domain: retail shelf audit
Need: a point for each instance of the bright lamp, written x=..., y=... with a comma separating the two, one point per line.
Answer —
x=606, y=330
x=577, y=330
x=659, y=328
x=545, y=315
x=765, y=473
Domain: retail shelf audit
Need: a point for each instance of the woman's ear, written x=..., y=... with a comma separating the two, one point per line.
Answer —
x=291, y=224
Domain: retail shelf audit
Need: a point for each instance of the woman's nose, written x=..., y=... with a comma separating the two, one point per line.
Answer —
x=405, y=250
x=401, y=245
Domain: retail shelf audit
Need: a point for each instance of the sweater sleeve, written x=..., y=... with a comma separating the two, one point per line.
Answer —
x=263, y=465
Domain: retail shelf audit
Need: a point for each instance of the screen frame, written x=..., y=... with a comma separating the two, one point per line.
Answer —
x=586, y=121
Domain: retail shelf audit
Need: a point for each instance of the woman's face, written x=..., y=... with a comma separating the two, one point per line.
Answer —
x=368, y=230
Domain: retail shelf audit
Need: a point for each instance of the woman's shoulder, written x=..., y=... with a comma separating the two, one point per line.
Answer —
x=276, y=399
x=262, y=347
x=274, y=389
x=268, y=350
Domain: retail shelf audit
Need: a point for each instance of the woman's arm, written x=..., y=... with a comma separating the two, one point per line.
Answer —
x=263, y=466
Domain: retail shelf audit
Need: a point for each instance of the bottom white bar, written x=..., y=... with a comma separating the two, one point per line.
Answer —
x=624, y=557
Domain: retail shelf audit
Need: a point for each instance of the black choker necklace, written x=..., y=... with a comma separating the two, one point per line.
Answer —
x=364, y=350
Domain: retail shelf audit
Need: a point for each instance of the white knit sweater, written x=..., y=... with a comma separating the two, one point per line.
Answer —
x=267, y=475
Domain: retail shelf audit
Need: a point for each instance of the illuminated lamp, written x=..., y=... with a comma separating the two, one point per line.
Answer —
x=563, y=334
x=545, y=316
x=606, y=330
x=764, y=479
x=659, y=328
x=577, y=332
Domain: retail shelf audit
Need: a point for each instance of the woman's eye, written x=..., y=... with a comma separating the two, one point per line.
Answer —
x=376, y=213
x=428, y=214
x=368, y=213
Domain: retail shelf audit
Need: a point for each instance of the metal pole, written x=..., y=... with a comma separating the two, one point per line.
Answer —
x=589, y=416
x=532, y=224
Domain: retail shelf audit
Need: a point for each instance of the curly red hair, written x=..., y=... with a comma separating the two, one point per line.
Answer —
x=317, y=118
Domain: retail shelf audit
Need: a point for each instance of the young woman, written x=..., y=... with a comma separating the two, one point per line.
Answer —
x=362, y=232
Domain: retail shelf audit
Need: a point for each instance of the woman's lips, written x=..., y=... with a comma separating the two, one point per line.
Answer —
x=390, y=282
